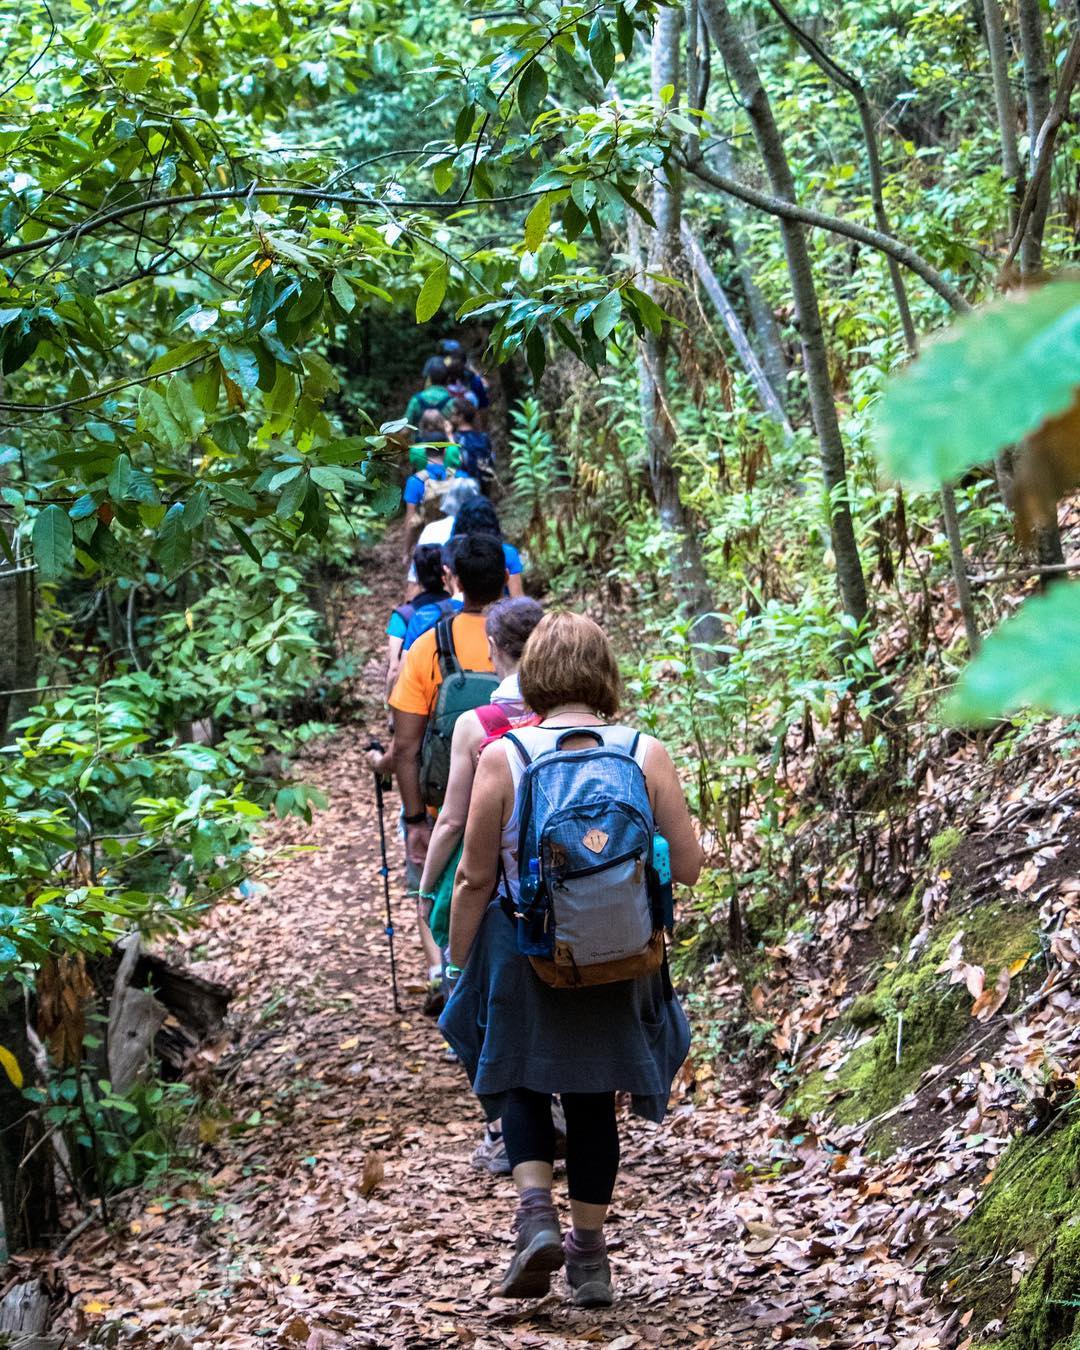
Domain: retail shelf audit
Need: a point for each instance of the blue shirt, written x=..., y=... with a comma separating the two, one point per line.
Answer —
x=414, y=484
x=513, y=559
x=475, y=450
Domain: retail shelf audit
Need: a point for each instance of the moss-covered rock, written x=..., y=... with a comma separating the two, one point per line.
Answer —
x=914, y=1007
x=1033, y=1206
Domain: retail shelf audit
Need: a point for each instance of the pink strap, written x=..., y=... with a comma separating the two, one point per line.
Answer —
x=492, y=718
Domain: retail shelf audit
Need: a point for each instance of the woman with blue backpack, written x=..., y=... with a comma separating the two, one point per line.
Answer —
x=577, y=826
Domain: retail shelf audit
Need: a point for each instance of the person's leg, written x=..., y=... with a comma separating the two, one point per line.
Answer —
x=592, y=1164
x=530, y=1148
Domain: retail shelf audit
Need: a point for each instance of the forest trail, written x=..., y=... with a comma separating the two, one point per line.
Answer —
x=336, y=1204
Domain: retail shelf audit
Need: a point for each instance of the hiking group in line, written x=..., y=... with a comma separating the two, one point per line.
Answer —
x=542, y=838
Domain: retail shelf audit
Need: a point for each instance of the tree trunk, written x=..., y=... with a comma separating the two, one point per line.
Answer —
x=766, y=329
x=1004, y=104
x=710, y=284
x=27, y=1197
x=854, y=86
x=688, y=569
x=741, y=68
x=1037, y=93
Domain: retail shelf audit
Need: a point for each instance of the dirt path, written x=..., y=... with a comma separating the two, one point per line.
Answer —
x=336, y=1205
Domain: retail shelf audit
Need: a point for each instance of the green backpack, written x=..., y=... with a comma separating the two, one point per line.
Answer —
x=460, y=692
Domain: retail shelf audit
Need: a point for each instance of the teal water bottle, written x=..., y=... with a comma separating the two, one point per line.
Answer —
x=665, y=897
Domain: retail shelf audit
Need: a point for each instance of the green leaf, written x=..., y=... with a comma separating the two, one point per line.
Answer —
x=244, y=540
x=183, y=405
x=431, y=295
x=464, y=124
x=624, y=26
x=996, y=376
x=536, y=354
x=532, y=90
x=537, y=222
x=173, y=546
x=53, y=542
x=291, y=498
x=606, y=315
x=241, y=365
x=159, y=421
x=601, y=50
x=343, y=293
x=177, y=357
x=1031, y=661
x=196, y=507
x=119, y=479
x=443, y=175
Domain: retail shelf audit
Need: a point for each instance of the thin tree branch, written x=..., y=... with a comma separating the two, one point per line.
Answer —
x=1044, y=145
x=219, y=195
x=48, y=43
x=98, y=393
x=883, y=243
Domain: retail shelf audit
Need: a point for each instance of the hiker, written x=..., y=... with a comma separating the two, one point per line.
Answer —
x=520, y=1029
x=456, y=645
x=434, y=395
x=431, y=436
x=473, y=380
x=421, y=611
x=477, y=456
x=478, y=516
x=462, y=490
x=508, y=625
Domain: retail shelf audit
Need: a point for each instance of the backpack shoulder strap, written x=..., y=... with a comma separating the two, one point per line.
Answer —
x=405, y=612
x=628, y=740
x=492, y=719
x=444, y=647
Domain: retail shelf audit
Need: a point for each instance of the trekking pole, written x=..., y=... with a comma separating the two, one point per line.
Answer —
x=381, y=784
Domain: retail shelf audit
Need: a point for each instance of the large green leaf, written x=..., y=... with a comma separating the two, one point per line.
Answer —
x=173, y=547
x=52, y=538
x=431, y=295
x=996, y=376
x=1032, y=661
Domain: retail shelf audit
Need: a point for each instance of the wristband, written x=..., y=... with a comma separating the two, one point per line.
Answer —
x=418, y=819
x=426, y=895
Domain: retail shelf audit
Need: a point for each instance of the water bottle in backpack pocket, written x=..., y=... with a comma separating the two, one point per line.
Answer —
x=587, y=909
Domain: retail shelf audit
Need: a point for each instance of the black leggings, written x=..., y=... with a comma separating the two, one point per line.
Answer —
x=592, y=1138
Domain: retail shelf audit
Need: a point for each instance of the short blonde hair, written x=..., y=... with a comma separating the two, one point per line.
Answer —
x=568, y=659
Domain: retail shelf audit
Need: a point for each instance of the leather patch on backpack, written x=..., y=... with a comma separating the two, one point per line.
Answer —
x=595, y=840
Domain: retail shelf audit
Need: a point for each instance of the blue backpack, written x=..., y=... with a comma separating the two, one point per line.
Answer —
x=588, y=909
x=427, y=616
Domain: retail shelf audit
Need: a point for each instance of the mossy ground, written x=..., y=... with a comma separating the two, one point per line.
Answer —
x=936, y=1015
x=1032, y=1205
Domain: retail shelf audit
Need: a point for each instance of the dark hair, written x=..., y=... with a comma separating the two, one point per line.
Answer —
x=568, y=659
x=428, y=561
x=478, y=562
x=477, y=517
x=435, y=369
x=461, y=407
x=455, y=366
x=510, y=622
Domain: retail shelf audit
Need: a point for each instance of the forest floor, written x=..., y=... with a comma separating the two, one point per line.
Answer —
x=335, y=1203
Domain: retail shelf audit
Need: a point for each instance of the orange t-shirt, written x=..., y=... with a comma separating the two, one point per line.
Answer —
x=419, y=679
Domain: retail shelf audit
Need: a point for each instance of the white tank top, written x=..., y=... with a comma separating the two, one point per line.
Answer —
x=511, y=830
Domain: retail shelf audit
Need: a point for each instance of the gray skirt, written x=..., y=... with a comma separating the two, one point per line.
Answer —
x=511, y=1030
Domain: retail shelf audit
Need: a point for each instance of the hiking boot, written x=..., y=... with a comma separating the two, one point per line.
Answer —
x=589, y=1278
x=490, y=1155
x=537, y=1253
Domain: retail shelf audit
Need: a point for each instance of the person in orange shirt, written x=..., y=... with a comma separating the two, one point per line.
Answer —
x=477, y=566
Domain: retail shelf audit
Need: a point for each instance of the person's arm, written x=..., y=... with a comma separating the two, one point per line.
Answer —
x=672, y=816
x=468, y=735
x=489, y=809
x=394, y=647
x=409, y=731
x=514, y=584
x=413, y=526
